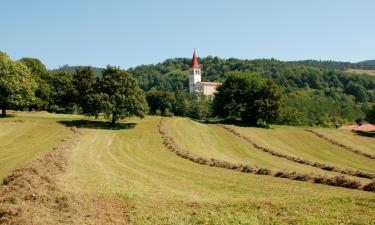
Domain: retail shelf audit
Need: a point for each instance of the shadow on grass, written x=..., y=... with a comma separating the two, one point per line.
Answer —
x=365, y=134
x=7, y=116
x=234, y=122
x=92, y=124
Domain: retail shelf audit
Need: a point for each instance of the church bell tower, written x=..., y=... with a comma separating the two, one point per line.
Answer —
x=195, y=74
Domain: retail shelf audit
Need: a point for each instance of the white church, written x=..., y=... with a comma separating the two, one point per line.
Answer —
x=195, y=80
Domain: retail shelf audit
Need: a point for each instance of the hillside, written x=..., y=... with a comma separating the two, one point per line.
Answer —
x=129, y=176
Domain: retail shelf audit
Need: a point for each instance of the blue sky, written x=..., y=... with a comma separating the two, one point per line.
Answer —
x=130, y=33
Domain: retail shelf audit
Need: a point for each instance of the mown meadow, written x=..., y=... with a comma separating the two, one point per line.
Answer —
x=140, y=181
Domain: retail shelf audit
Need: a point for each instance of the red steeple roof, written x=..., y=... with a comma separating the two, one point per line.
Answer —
x=194, y=62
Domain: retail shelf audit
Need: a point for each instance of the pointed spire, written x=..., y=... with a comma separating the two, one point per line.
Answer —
x=194, y=63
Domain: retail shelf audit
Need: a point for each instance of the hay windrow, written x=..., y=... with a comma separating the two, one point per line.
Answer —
x=332, y=141
x=339, y=181
x=34, y=187
x=355, y=173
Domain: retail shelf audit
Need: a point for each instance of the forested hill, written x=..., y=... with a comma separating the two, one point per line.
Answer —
x=172, y=74
x=327, y=76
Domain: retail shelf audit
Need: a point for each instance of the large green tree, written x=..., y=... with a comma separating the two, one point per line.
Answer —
x=17, y=85
x=83, y=84
x=118, y=96
x=61, y=100
x=43, y=78
x=248, y=96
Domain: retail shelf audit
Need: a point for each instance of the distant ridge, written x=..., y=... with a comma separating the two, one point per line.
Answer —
x=71, y=69
x=336, y=65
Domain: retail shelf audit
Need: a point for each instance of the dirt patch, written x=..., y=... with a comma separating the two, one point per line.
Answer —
x=339, y=181
x=32, y=194
x=355, y=173
x=332, y=141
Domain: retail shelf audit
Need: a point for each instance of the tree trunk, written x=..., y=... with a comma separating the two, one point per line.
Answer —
x=114, y=118
x=3, y=112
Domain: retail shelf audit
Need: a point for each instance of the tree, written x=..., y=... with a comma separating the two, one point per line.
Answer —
x=370, y=115
x=17, y=85
x=83, y=84
x=118, y=96
x=270, y=102
x=199, y=106
x=42, y=77
x=160, y=100
x=63, y=91
x=248, y=96
x=358, y=91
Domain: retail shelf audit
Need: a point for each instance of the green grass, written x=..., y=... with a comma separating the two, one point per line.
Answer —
x=349, y=138
x=211, y=141
x=23, y=141
x=162, y=188
x=297, y=142
x=158, y=187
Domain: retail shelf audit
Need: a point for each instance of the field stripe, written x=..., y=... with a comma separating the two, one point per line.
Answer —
x=356, y=151
x=355, y=173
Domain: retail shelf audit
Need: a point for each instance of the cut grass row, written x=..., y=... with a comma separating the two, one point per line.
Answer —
x=299, y=143
x=211, y=141
x=322, y=166
x=340, y=181
x=331, y=140
x=349, y=138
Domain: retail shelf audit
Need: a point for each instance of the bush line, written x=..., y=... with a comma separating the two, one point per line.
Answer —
x=355, y=173
x=339, y=181
x=358, y=152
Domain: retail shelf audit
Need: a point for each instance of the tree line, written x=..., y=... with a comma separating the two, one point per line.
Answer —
x=255, y=91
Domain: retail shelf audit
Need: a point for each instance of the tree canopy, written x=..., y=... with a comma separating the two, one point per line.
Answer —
x=117, y=96
x=248, y=96
x=17, y=85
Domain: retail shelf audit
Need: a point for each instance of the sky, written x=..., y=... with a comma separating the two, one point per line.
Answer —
x=129, y=33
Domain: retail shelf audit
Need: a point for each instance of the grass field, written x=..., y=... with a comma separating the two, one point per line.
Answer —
x=211, y=141
x=297, y=142
x=24, y=138
x=358, y=71
x=155, y=186
x=350, y=138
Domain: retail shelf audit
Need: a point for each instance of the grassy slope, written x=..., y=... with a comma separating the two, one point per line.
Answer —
x=26, y=140
x=161, y=188
x=349, y=138
x=297, y=142
x=211, y=141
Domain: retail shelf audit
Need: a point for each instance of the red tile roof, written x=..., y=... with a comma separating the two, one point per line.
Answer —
x=363, y=127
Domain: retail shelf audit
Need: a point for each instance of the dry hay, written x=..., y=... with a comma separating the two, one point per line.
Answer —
x=339, y=181
x=332, y=141
x=355, y=173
